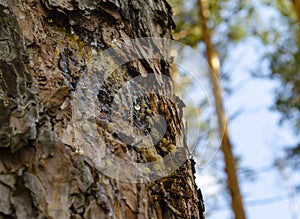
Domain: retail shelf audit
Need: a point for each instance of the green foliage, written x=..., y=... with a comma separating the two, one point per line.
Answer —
x=286, y=67
x=292, y=154
x=188, y=30
x=284, y=63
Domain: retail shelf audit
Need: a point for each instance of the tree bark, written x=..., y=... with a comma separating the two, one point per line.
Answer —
x=296, y=4
x=226, y=147
x=51, y=150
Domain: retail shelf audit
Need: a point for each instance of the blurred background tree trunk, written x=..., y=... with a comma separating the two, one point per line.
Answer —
x=226, y=146
x=45, y=50
x=296, y=4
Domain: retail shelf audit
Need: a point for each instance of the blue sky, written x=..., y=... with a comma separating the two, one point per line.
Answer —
x=258, y=139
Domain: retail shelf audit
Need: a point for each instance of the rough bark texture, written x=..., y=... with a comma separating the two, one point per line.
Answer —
x=45, y=49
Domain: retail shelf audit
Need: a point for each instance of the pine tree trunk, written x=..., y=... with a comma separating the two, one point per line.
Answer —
x=226, y=146
x=58, y=122
x=296, y=4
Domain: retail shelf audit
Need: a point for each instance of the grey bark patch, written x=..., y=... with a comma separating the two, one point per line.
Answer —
x=18, y=105
x=5, y=197
x=8, y=180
